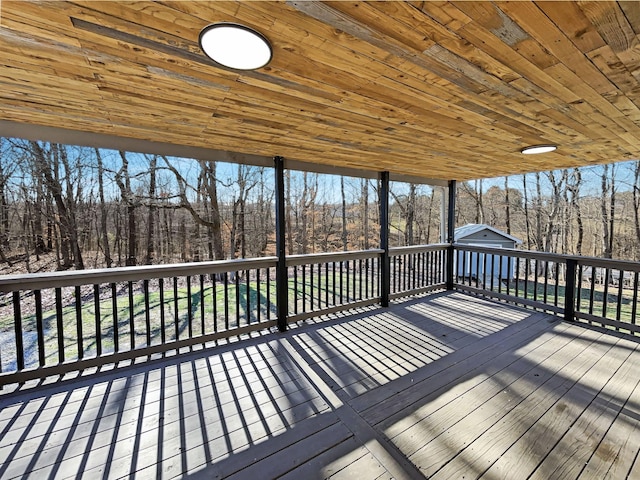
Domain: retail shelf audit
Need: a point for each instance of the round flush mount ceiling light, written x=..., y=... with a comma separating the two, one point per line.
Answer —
x=235, y=46
x=532, y=150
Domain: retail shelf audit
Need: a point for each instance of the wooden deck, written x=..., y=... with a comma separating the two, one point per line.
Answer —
x=446, y=386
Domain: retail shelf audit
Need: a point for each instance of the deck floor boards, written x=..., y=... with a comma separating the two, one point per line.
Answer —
x=444, y=386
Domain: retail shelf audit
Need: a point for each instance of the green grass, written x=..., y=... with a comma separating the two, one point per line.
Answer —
x=140, y=320
x=607, y=309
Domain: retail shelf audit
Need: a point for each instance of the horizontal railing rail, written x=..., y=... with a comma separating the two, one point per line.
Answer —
x=60, y=322
x=325, y=283
x=54, y=323
x=597, y=291
x=417, y=269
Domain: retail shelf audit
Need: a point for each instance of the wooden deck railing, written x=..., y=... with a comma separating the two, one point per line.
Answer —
x=60, y=322
x=55, y=323
x=597, y=291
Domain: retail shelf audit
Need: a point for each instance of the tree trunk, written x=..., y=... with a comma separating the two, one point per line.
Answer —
x=365, y=213
x=575, y=195
x=344, y=215
x=636, y=199
x=127, y=196
x=103, y=212
x=526, y=210
x=152, y=211
x=507, y=201
x=606, y=196
x=410, y=215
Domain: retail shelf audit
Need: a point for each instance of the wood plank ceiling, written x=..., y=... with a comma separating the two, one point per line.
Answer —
x=447, y=90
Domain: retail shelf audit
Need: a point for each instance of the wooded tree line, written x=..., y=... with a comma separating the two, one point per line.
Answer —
x=592, y=211
x=89, y=208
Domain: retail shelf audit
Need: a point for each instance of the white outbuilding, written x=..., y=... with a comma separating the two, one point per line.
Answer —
x=474, y=264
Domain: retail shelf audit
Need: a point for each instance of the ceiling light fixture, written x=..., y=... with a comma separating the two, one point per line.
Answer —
x=533, y=149
x=235, y=46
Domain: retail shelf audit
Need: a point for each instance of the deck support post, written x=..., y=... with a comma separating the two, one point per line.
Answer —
x=385, y=266
x=451, y=227
x=282, y=282
x=570, y=290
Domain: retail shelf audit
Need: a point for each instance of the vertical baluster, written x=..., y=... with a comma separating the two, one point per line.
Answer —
x=619, y=302
x=189, y=306
x=304, y=288
x=366, y=278
x=79, y=339
x=341, y=285
x=17, y=321
x=556, y=287
x=414, y=262
x=347, y=282
x=258, y=295
x=509, y=274
x=354, y=273
x=132, y=330
x=60, y=325
x=214, y=295
x=605, y=295
x=98, y=319
x=311, y=287
x=176, y=309
x=406, y=272
x=393, y=274
x=319, y=289
x=39, y=327
x=546, y=281
x=360, y=278
x=379, y=277
x=634, y=303
x=517, y=276
x=485, y=260
x=114, y=314
x=248, y=292
x=464, y=266
x=326, y=284
x=592, y=289
x=527, y=267
x=578, y=300
x=237, y=284
x=333, y=287
x=147, y=314
x=500, y=276
x=226, y=300
x=202, y=322
x=268, y=272
x=493, y=273
x=163, y=326
x=535, y=280
x=295, y=289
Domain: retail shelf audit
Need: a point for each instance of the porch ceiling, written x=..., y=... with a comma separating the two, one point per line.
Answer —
x=447, y=90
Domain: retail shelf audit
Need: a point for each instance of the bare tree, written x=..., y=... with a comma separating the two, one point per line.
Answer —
x=103, y=211
x=210, y=218
x=636, y=198
x=574, y=190
x=344, y=216
x=123, y=179
x=153, y=164
x=48, y=163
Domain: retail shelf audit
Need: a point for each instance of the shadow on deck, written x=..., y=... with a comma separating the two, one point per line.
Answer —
x=443, y=386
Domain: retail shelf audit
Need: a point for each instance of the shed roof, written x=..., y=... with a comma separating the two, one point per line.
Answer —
x=471, y=228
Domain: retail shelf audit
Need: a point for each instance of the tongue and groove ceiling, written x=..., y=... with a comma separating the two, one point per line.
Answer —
x=440, y=90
